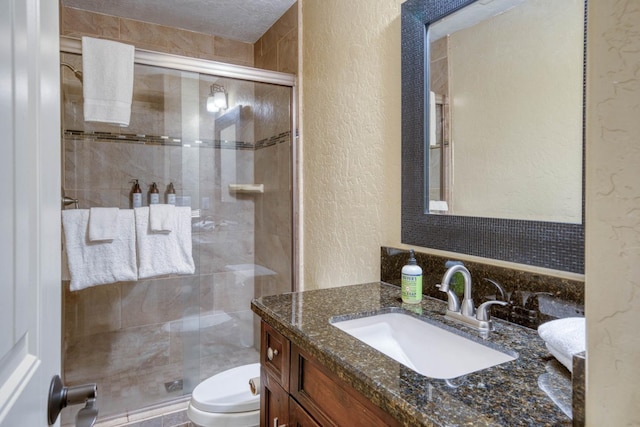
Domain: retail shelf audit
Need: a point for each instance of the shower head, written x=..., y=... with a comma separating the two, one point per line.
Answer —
x=76, y=73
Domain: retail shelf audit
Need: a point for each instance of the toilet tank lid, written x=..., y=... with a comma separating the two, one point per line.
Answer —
x=228, y=391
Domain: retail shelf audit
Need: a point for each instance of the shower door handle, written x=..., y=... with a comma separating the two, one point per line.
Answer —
x=61, y=396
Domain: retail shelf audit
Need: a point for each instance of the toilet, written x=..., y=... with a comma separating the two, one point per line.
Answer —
x=225, y=400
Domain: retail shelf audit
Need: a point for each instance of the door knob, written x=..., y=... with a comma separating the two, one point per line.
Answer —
x=61, y=396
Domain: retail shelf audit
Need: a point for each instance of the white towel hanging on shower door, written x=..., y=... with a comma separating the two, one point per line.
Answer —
x=99, y=263
x=107, y=69
x=162, y=253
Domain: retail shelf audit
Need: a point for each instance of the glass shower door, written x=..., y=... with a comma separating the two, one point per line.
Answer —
x=150, y=342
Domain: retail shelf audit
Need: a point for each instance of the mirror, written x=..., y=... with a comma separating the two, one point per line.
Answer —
x=488, y=224
x=506, y=91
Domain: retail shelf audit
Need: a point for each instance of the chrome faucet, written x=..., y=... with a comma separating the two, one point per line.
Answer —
x=465, y=312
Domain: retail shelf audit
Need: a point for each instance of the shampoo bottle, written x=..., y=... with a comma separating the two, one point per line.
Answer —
x=411, y=287
x=154, y=194
x=171, y=194
x=136, y=194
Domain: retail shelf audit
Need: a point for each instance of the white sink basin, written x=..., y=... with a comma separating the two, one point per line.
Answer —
x=421, y=346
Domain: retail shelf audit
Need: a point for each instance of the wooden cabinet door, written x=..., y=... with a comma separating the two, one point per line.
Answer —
x=274, y=402
x=328, y=399
x=298, y=417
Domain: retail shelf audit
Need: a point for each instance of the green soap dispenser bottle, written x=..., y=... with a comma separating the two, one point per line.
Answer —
x=411, y=287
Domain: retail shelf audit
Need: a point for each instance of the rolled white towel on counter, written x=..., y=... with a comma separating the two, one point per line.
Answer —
x=160, y=254
x=254, y=385
x=564, y=338
x=162, y=218
x=103, y=224
x=99, y=263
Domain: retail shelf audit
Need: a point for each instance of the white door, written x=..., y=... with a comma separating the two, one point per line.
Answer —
x=29, y=209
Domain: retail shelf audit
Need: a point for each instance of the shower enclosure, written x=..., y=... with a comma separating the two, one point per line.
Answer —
x=150, y=342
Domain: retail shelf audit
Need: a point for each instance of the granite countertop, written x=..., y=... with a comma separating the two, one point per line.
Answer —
x=509, y=394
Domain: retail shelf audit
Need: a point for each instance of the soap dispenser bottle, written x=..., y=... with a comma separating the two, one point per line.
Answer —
x=136, y=194
x=411, y=286
x=171, y=194
x=154, y=194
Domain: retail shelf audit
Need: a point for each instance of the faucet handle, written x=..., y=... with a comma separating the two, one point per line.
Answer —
x=498, y=287
x=482, y=313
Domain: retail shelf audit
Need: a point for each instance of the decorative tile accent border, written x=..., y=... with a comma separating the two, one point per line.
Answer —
x=274, y=140
x=534, y=298
x=172, y=141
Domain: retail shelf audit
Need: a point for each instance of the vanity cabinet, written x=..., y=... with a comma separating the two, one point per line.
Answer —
x=298, y=391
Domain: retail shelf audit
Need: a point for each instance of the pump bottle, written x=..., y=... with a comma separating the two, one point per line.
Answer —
x=411, y=286
x=154, y=194
x=171, y=194
x=136, y=194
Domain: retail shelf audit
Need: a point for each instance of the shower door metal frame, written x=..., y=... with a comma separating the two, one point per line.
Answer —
x=222, y=69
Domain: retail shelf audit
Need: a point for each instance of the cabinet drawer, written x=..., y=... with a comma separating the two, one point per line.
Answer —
x=274, y=354
x=330, y=400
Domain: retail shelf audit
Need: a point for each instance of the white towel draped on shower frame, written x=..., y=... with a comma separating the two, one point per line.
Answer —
x=107, y=73
x=98, y=263
x=164, y=253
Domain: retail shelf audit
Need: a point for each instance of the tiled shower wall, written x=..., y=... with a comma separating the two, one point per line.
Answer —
x=132, y=337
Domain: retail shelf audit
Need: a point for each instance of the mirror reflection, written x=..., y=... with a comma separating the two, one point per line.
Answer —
x=505, y=119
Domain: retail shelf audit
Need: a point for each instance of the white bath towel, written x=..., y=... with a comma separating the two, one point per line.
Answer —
x=98, y=263
x=564, y=338
x=103, y=224
x=107, y=70
x=164, y=253
x=162, y=218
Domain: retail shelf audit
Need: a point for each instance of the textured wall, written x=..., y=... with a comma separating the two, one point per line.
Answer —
x=351, y=110
x=613, y=213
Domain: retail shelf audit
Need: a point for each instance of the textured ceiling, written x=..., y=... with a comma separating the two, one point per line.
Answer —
x=243, y=20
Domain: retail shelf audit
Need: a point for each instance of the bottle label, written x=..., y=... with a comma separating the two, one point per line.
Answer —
x=171, y=199
x=137, y=200
x=154, y=198
x=411, y=288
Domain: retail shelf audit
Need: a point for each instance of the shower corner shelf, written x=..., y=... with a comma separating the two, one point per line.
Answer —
x=247, y=188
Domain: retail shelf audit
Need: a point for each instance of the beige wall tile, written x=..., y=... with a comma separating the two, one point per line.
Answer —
x=91, y=311
x=269, y=61
x=288, y=53
x=277, y=49
x=160, y=38
x=233, y=51
x=283, y=26
x=149, y=302
x=77, y=22
x=137, y=32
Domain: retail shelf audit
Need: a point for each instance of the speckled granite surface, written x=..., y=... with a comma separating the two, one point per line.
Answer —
x=578, y=383
x=533, y=298
x=505, y=395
